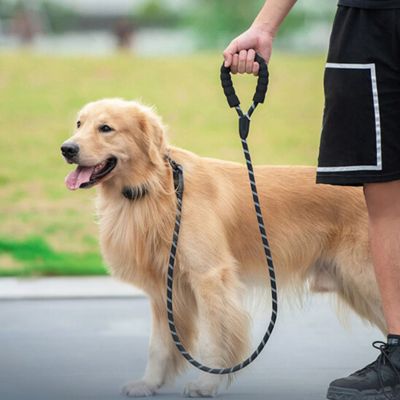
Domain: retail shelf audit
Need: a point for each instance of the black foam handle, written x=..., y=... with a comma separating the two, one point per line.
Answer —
x=262, y=83
x=227, y=86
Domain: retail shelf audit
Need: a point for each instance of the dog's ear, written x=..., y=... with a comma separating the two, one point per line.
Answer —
x=154, y=137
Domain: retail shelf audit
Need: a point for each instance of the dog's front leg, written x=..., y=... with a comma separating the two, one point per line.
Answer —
x=223, y=327
x=162, y=363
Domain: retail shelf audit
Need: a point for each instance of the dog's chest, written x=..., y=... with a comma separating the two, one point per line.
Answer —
x=130, y=242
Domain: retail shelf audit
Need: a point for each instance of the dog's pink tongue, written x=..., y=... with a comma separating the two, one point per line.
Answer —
x=81, y=175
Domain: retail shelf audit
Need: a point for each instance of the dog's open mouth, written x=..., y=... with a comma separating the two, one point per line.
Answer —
x=85, y=177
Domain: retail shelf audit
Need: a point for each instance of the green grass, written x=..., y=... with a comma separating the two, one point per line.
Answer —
x=33, y=257
x=40, y=96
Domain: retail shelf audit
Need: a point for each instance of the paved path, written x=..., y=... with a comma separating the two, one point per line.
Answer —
x=65, y=287
x=81, y=349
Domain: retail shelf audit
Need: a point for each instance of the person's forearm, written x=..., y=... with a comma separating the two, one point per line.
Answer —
x=272, y=14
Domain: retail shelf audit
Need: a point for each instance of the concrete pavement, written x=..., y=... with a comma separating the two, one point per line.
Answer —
x=81, y=349
x=65, y=287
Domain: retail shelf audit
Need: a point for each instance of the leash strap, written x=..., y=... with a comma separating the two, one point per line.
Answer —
x=244, y=124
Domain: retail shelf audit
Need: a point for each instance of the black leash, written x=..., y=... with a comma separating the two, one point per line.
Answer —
x=244, y=124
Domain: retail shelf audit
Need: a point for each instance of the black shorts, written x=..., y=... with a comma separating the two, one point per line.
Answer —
x=360, y=139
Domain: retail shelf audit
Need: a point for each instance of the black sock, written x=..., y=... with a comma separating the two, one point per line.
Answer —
x=393, y=340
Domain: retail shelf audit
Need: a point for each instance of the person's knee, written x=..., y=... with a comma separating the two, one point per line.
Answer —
x=383, y=199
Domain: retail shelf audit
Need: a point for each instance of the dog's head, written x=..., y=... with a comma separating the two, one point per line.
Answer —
x=114, y=139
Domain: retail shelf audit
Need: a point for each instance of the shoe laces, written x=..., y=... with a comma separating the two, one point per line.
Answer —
x=383, y=359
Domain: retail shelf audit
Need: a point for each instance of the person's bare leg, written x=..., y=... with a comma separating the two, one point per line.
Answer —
x=380, y=380
x=383, y=204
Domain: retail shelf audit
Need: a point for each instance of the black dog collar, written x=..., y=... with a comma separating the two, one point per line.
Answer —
x=138, y=192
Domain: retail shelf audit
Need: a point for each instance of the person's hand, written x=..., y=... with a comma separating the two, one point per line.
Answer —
x=240, y=53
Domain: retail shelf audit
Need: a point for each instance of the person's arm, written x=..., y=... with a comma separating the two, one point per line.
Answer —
x=240, y=53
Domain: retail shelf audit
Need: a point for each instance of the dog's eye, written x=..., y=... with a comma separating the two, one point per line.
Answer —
x=105, y=128
x=78, y=124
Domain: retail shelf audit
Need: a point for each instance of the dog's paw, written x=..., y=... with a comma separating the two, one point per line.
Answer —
x=196, y=389
x=139, y=389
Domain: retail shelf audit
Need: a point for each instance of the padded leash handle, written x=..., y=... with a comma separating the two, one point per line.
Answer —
x=233, y=100
x=261, y=88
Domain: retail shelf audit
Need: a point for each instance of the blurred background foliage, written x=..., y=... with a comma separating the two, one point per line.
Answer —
x=217, y=22
x=212, y=23
x=60, y=18
x=56, y=55
x=157, y=13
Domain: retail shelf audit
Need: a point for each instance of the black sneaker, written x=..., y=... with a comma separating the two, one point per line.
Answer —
x=377, y=381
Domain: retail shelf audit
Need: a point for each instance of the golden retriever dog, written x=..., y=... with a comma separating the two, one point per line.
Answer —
x=318, y=236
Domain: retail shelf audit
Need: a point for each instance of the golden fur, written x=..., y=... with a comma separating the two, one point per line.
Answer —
x=318, y=236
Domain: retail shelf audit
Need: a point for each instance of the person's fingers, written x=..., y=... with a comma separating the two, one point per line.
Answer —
x=229, y=52
x=228, y=59
x=256, y=68
x=235, y=63
x=250, y=61
x=242, y=61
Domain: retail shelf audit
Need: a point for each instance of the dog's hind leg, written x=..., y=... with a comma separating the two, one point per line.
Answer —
x=361, y=293
x=223, y=325
x=164, y=361
x=353, y=280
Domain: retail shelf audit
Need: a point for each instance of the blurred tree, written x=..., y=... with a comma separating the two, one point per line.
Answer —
x=157, y=13
x=60, y=18
x=25, y=23
x=217, y=22
x=123, y=31
x=6, y=8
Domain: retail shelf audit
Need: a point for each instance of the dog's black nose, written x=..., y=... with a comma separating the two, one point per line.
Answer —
x=69, y=149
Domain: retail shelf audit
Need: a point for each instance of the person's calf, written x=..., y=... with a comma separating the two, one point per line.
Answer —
x=383, y=205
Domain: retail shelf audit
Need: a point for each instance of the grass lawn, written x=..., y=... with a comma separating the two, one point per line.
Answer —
x=44, y=228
